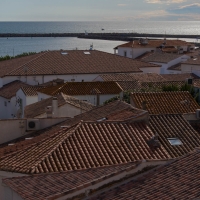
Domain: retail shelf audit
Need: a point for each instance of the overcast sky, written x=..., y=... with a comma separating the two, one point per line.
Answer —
x=98, y=10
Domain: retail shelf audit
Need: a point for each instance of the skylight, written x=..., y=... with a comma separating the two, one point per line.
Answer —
x=174, y=141
x=64, y=53
x=86, y=52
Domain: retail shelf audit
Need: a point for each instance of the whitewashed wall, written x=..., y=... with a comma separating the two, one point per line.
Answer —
x=136, y=51
x=26, y=100
x=188, y=68
x=66, y=110
x=34, y=80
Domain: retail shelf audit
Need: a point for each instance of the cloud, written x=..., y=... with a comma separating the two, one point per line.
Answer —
x=121, y=4
x=191, y=8
x=165, y=1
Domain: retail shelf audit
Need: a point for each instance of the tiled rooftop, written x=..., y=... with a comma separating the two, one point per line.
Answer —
x=54, y=185
x=8, y=66
x=154, y=43
x=38, y=108
x=83, y=88
x=147, y=86
x=177, y=180
x=149, y=77
x=97, y=113
x=31, y=90
x=160, y=57
x=179, y=77
x=77, y=62
x=174, y=126
x=193, y=61
x=176, y=67
x=165, y=102
x=86, y=145
x=169, y=49
x=9, y=90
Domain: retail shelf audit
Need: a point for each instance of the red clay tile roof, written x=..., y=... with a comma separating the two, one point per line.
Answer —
x=165, y=102
x=174, y=126
x=83, y=88
x=92, y=144
x=193, y=61
x=97, y=113
x=85, y=145
x=176, y=180
x=9, y=65
x=31, y=90
x=176, y=67
x=160, y=57
x=179, y=77
x=138, y=86
x=149, y=77
x=154, y=44
x=38, y=108
x=169, y=49
x=77, y=62
x=54, y=185
x=9, y=90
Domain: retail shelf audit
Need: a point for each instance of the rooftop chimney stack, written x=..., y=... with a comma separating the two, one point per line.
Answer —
x=48, y=111
x=55, y=107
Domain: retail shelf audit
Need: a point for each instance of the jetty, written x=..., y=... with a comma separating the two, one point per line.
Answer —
x=100, y=36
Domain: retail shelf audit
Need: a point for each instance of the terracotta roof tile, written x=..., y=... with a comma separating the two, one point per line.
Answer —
x=155, y=43
x=174, y=126
x=83, y=88
x=54, y=185
x=193, y=61
x=175, y=180
x=149, y=77
x=77, y=62
x=9, y=90
x=138, y=86
x=160, y=57
x=165, y=102
x=38, y=108
x=176, y=67
x=97, y=113
x=31, y=90
x=179, y=77
x=86, y=145
x=9, y=65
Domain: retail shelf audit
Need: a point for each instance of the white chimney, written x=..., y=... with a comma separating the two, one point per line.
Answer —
x=48, y=111
x=55, y=107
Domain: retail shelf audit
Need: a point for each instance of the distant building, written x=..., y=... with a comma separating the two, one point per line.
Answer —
x=69, y=65
x=95, y=93
x=135, y=49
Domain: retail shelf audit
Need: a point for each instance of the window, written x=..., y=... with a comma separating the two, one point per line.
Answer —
x=82, y=80
x=174, y=141
x=125, y=53
x=5, y=103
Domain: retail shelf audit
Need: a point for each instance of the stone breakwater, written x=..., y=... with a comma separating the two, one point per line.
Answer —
x=103, y=36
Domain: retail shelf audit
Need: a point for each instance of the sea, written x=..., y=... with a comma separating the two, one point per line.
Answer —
x=14, y=46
